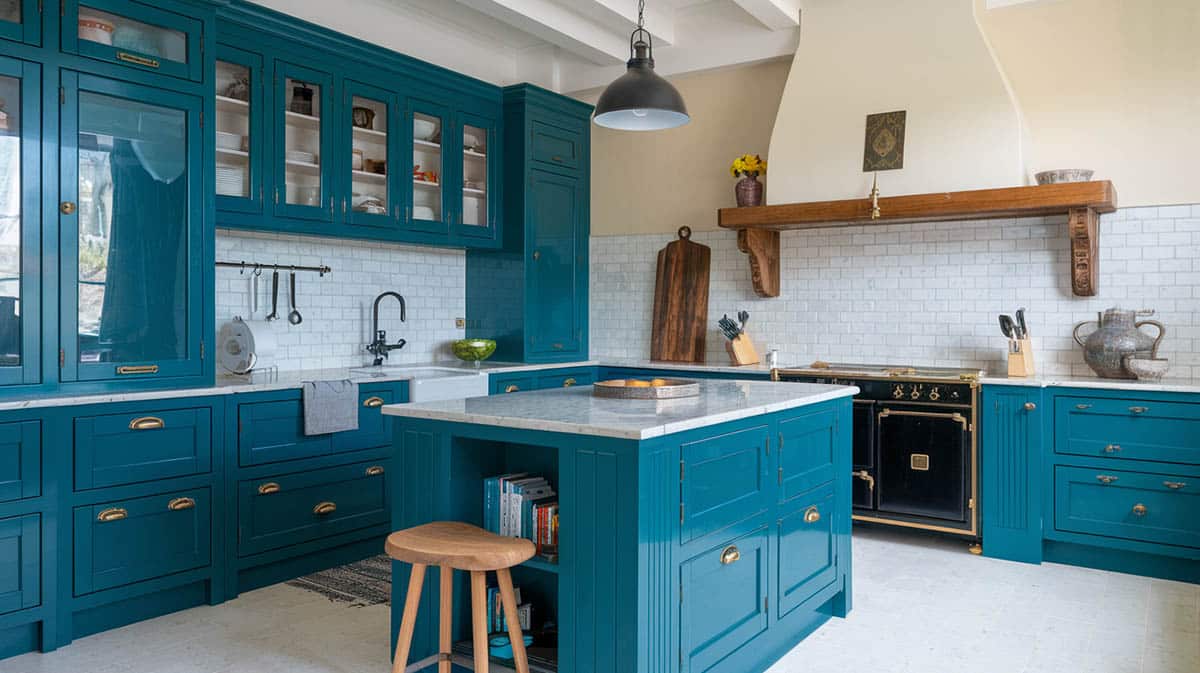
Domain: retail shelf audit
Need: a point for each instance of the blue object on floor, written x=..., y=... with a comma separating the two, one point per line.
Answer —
x=501, y=646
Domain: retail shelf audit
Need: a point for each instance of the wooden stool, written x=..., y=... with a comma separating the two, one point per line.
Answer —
x=451, y=546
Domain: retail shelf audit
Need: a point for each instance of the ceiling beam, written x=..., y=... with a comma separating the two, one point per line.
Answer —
x=554, y=23
x=621, y=16
x=774, y=14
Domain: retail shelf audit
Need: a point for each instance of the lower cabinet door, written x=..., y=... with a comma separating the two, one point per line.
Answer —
x=1160, y=508
x=566, y=379
x=127, y=541
x=150, y=444
x=273, y=430
x=723, y=481
x=806, y=452
x=20, y=563
x=20, y=460
x=288, y=509
x=724, y=603
x=511, y=384
x=806, y=551
x=374, y=429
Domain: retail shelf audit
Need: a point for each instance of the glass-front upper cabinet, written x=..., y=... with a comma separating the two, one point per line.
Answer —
x=134, y=34
x=20, y=20
x=132, y=288
x=20, y=136
x=477, y=217
x=368, y=189
x=238, y=129
x=302, y=154
x=426, y=125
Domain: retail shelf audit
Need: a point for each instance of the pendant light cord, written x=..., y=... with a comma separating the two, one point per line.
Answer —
x=641, y=36
x=641, y=13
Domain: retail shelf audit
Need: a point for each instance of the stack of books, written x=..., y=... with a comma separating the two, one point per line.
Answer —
x=497, y=623
x=520, y=505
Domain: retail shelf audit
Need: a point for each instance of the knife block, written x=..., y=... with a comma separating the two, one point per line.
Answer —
x=1020, y=358
x=741, y=351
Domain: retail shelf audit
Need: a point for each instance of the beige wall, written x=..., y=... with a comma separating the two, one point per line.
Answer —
x=659, y=181
x=1112, y=85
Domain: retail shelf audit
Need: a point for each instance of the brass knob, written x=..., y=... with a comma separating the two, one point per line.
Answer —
x=324, y=508
x=730, y=555
x=373, y=401
x=1174, y=485
x=374, y=470
x=1139, y=509
x=1138, y=410
x=1083, y=407
x=512, y=388
x=1030, y=406
x=268, y=488
x=112, y=514
x=568, y=383
x=181, y=503
x=556, y=158
x=1112, y=448
x=557, y=347
x=1105, y=479
x=537, y=254
x=67, y=208
x=812, y=515
x=146, y=423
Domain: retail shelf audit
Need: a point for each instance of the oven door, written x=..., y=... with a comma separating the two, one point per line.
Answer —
x=924, y=461
x=864, y=455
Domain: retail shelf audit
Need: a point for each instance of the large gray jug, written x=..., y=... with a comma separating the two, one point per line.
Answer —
x=1116, y=336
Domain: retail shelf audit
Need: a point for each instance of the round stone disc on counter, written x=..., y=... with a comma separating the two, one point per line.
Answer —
x=646, y=389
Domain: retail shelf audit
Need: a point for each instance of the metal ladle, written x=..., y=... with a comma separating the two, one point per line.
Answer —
x=294, y=317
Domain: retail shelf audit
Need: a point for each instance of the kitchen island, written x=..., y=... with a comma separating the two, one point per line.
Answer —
x=709, y=533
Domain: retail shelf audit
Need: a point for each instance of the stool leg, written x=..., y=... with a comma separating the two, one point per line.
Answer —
x=509, y=599
x=479, y=612
x=446, y=618
x=409, y=621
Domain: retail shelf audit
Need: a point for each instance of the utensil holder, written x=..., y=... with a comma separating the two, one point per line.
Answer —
x=741, y=351
x=1020, y=358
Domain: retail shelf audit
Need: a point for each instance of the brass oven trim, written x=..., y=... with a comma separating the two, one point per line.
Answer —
x=966, y=425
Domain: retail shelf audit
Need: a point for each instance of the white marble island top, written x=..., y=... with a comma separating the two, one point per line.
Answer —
x=576, y=411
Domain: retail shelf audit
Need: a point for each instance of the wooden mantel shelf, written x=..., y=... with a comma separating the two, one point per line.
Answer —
x=1082, y=202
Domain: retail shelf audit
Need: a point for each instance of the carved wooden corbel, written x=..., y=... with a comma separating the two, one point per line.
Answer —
x=1084, y=230
x=762, y=245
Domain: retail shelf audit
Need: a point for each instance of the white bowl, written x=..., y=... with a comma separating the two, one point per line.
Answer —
x=302, y=157
x=423, y=129
x=422, y=213
x=95, y=29
x=229, y=141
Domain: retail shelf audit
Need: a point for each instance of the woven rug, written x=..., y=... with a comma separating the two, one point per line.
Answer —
x=366, y=582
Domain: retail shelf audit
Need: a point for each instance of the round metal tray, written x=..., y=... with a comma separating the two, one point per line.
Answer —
x=658, y=389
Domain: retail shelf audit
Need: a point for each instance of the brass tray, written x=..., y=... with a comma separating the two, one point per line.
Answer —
x=646, y=389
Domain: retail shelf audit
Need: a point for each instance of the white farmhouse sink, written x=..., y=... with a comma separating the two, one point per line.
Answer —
x=428, y=383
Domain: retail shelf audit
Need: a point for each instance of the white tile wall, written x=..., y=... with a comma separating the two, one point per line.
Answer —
x=925, y=293
x=337, y=308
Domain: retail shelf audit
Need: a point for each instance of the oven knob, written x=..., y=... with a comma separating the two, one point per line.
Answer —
x=934, y=395
x=898, y=392
x=954, y=395
x=916, y=392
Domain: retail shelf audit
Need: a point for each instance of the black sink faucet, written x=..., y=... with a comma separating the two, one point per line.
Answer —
x=380, y=347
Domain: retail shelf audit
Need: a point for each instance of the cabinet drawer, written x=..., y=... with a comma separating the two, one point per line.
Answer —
x=724, y=602
x=127, y=541
x=20, y=563
x=142, y=446
x=1157, y=508
x=150, y=39
x=806, y=551
x=511, y=384
x=271, y=431
x=723, y=481
x=556, y=146
x=374, y=429
x=566, y=379
x=806, y=448
x=20, y=460
x=289, y=509
x=1168, y=432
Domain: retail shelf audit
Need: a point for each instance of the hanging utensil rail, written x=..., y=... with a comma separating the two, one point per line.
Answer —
x=258, y=268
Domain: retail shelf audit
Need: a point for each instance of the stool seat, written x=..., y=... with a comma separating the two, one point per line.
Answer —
x=457, y=545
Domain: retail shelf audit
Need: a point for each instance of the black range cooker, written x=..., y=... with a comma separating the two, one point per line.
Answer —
x=915, y=454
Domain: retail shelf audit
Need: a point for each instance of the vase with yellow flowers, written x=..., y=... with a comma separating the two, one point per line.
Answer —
x=748, y=190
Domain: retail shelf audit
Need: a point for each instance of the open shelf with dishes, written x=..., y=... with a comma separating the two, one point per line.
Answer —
x=369, y=118
x=427, y=139
x=233, y=126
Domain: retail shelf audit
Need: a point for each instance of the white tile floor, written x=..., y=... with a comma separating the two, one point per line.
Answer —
x=920, y=606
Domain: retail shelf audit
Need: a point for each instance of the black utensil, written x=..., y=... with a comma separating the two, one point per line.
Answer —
x=743, y=318
x=294, y=317
x=274, y=296
x=1024, y=330
x=1007, y=326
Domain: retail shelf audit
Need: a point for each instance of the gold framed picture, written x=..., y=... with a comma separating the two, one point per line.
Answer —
x=884, y=150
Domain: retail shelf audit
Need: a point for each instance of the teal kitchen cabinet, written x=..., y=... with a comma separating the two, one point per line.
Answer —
x=21, y=268
x=153, y=442
x=135, y=275
x=540, y=380
x=303, y=152
x=429, y=143
x=734, y=575
x=369, y=180
x=477, y=178
x=22, y=22
x=1011, y=471
x=151, y=37
x=20, y=460
x=239, y=129
x=531, y=296
x=20, y=562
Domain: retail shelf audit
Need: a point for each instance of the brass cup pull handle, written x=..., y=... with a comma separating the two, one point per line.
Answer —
x=1112, y=448
x=268, y=488
x=138, y=369
x=1175, y=485
x=730, y=555
x=1138, y=410
x=1083, y=407
x=568, y=383
x=1139, y=509
x=556, y=346
x=181, y=503
x=374, y=470
x=137, y=60
x=146, y=423
x=512, y=388
x=1105, y=478
x=112, y=514
x=373, y=401
x=556, y=158
x=812, y=515
x=1030, y=406
x=325, y=508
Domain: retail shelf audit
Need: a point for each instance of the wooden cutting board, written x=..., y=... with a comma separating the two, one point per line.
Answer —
x=680, y=321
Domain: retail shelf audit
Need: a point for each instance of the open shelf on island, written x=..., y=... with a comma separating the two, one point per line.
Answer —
x=539, y=563
x=541, y=659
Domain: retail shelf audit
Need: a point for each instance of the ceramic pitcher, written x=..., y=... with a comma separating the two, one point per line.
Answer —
x=1117, y=335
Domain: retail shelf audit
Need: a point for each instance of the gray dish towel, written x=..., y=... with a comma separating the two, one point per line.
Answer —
x=330, y=406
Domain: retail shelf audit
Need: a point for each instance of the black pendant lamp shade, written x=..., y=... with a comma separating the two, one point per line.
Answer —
x=640, y=100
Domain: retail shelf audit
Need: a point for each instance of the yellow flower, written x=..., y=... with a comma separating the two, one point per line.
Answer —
x=748, y=164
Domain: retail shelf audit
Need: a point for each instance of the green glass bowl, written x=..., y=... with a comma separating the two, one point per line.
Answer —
x=473, y=350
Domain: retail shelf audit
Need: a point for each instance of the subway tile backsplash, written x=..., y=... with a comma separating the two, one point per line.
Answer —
x=337, y=307
x=924, y=293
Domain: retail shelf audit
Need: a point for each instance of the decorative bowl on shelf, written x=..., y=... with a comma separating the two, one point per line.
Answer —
x=1147, y=368
x=95, y=29
x=362, y=117
x=1064, y=175
x=423, y=129
x=301, y=157
x=473, y=350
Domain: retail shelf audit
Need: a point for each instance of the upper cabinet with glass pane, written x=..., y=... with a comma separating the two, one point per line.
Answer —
x=477, y=217
x=238, y=130
x=427, y=129
x=369, y=188
x=303, y=184
x=137, y=35
x=20, y=20
x=19, y=189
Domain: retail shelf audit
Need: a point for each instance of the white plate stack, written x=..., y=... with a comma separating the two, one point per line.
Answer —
x=231, y=181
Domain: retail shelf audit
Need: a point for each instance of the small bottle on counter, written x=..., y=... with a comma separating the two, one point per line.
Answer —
x=772, y=359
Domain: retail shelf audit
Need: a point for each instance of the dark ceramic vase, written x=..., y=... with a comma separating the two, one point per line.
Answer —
x=749, y=191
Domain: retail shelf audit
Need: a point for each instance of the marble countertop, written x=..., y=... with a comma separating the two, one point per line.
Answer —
x=1167, y=385
x=576, y=411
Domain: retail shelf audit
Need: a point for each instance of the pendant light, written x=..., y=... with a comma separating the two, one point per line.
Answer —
x=640, y=100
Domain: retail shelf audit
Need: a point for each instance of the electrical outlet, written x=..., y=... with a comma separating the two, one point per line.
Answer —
x=460, y=323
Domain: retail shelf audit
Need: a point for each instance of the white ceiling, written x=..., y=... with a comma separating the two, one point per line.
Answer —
x=569, y=46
